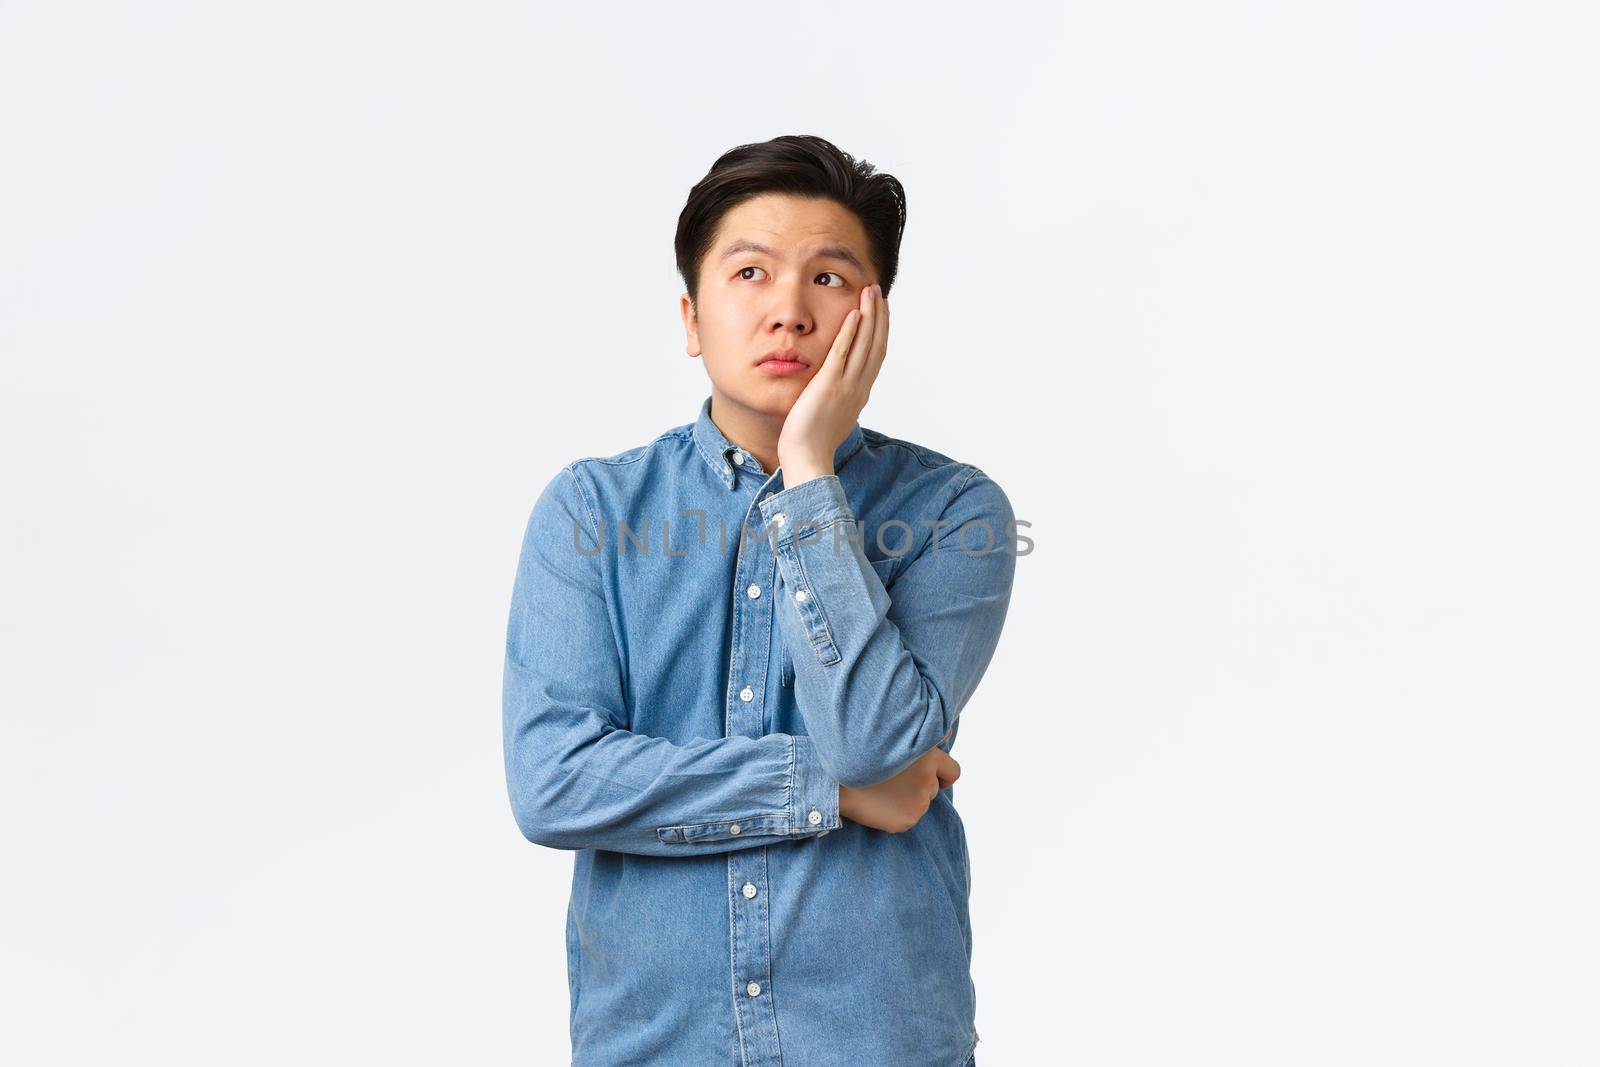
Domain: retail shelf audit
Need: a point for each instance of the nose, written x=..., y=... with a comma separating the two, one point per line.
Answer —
x=791, y=309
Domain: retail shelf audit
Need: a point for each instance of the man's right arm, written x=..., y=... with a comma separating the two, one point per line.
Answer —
x=577, y=777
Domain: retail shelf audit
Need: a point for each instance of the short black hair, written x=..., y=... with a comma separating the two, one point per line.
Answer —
x=799, y=165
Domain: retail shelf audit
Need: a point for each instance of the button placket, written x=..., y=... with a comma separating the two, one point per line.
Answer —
x=750, y=956
x=749, y=931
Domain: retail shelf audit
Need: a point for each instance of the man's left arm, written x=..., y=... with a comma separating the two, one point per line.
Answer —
x=886, y=677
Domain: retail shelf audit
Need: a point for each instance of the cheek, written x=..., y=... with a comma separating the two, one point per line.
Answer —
x=728, y=318
x=830, y=326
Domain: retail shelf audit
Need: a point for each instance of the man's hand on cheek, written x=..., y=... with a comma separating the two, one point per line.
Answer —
x=832, y=401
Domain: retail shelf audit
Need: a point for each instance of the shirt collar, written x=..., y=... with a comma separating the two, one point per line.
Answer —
x=718, y=451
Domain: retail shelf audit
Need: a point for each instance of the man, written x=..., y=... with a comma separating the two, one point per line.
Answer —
x=735, y=660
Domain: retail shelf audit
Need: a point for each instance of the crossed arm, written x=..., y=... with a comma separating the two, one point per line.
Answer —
x=883, y=683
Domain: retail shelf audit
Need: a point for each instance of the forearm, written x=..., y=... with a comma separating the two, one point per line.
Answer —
x=880, y=680
x=576, y=782
x=577, y=777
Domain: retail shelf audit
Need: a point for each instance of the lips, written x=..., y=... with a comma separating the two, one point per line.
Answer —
x=784, y=362
x=785, y=355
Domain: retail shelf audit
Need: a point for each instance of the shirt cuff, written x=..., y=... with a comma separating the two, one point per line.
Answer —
x=816, y=540
x=813, y=807
x=813, y=504
x=815, y=804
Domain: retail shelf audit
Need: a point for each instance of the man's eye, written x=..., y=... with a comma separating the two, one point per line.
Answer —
x=830, y=274
x=743, y=275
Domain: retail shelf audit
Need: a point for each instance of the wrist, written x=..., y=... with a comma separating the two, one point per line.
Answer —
x=799, y=471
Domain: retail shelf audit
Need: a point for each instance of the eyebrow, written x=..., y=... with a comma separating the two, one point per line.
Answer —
x=839, y=252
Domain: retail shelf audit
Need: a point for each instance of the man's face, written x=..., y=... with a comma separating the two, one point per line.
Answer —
x=782, y=273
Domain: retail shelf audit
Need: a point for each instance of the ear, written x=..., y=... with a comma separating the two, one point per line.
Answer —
x=691, y=325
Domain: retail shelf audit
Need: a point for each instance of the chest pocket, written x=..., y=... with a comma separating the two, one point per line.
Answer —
x=884, y=568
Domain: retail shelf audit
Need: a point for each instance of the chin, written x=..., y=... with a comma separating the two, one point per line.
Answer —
x=773, y=396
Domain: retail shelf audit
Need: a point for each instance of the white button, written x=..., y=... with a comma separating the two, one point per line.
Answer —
x=738, y=459
x=747, y=694
x=749, y=890
x=815, y=817
x=753, y=592
x=754, y=989
x=733, y=829
x=778, y=518
x=800, y=596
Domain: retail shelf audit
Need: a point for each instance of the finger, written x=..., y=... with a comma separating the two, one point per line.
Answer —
x=861, y=345
x=948, y=773
x=834, y=361
x=874, y=346
x=880, y=347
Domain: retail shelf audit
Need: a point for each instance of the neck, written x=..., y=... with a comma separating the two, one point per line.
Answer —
x=754, y=431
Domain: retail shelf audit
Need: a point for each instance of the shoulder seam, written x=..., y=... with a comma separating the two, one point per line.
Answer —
x=588, y=509
x=972, y=472
x=637, y=451
x=919, y=452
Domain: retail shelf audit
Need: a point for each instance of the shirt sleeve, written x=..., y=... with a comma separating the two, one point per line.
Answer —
x=577, y=777
x=887, y=676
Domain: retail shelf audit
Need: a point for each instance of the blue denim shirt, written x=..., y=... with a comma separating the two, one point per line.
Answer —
x=697, y=658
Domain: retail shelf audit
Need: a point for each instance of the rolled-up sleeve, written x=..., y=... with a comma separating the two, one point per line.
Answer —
x=887, y=676
x=577, y=777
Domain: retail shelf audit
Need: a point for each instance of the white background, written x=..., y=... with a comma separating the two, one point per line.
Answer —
x=1277, y=321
